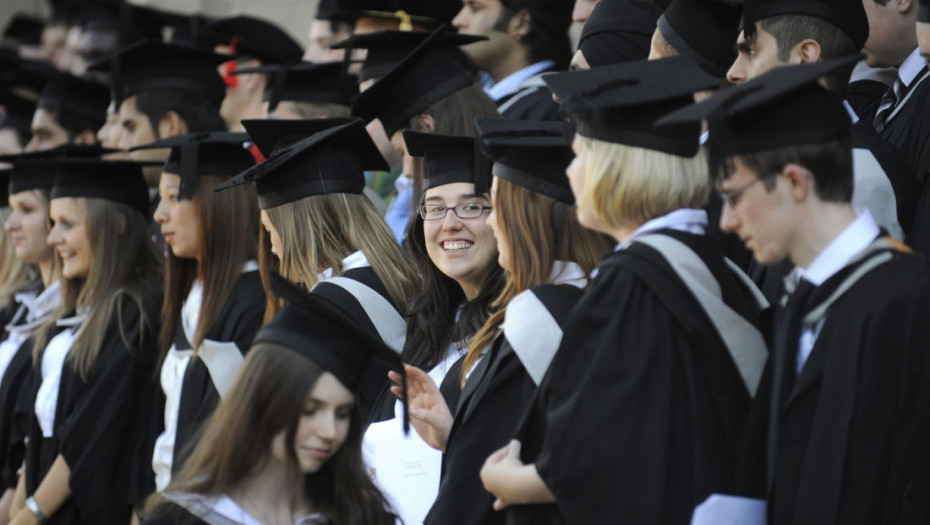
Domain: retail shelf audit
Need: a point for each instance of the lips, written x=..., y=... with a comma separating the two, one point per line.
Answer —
x=318, y=453
x=456, y=245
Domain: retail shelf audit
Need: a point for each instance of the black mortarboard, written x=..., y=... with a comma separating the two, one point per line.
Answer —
x=430, y=73
x=17, y=113
x=209, y=153
x=387, y=48
x=618, y=31
x=16, y=71
x=35, y=170
x=448, y=159
x=848, y=15
x=271, y=135
x=24, y=29
x=306, y=82
x=322, y=331
x=77, y=104
x=251, y=37
x=131, y=22
x=150, y=65
x=786, y=106
x=431, y=13
x=704, y=31
x=923, y=11
x=331, y=161
x=531, y=154
x=114, y=180
x=620, y=103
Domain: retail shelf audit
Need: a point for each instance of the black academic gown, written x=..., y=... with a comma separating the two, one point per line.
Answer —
x=13, y=425
x=171, y=514
x=95, y=421
x=639, y=417
x=532, y=101
x=493, y=402
x=238, y=323
x=850, y=439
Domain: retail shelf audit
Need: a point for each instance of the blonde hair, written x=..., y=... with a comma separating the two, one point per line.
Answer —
x=626, y=186
x=123, y=257
x=14, y=273
x=319, y=231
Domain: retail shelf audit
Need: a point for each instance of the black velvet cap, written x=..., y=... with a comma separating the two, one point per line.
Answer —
x=117, y=181
x=387, y=48
x=322, y=331
x=77, y=104
x=703, y=30
x=17, y=113
x=24, y=29
x=923, y=11
x=531, y=154
x=848, y=15
x=620, y=103
x=271, y=135
x=36, y=170
x=430, y=73
x=430, y=13
x=331, y=161
x=448, y=159
x=251, y=37
x=151, y=65
x=786, y=106
x=618, y=31
x=210, y=153
x=306, y=82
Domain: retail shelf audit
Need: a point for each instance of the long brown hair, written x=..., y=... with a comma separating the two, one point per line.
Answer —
x=14, y=273
x=228, y=222
x=268, y=396
x=540, y=231
x=319, y=231
x=123, y=258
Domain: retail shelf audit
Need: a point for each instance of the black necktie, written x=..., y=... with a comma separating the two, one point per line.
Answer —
x=890, y=100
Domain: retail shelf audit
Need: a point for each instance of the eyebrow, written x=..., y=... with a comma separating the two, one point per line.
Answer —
x=743, y=45
x=461, y=197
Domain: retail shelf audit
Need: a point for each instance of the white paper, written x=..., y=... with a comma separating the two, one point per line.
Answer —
x=722, y=509
x=405, y=468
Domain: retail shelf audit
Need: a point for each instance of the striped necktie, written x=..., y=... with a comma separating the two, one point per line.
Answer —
x=891, y=98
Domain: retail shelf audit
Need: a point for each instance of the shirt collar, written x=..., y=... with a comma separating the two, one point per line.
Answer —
x=513, y=81
x=41, y=305
x=852, y=240
x=568, y=272
x=222, y=509
x=686, y=220
x=354, y=260
x=911, y=66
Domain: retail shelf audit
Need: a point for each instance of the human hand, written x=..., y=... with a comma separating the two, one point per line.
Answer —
x=499, y=471
x=429, y=414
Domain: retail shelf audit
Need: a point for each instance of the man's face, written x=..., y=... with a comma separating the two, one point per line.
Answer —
x=923, y=39
x=482, y=17
x=754, y=57
x=891, y=33
x=320, y=36
x=46, y=132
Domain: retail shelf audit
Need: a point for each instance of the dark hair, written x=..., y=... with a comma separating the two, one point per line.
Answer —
x=791, y=30
x=228, y=222
x=268, y=396
x=198, y=113
x=435, y=321
x=548, y=37
x=830, y=164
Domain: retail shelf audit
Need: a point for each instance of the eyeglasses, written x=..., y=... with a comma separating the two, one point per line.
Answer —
x=731, y=198
x=465, y=210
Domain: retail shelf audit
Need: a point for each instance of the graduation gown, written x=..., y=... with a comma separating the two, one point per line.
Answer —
x=532, y=100
x=96, y=421
x=237, y=323
x=846, y=440
x=492, y=403
x=12, y=423
x=639, y=417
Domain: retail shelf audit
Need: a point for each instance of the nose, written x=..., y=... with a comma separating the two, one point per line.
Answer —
x=461, y=19
x=11, y=222
x=737, y=72
x=326, y=426
x=451, y=221
x=729, y=222
x=54, y=238
x=32, y=145
x=161, y=214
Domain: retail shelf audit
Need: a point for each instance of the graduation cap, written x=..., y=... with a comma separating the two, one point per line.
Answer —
x=24, y=29
x=621, y=102
x=17, y=113
x=151, y=65
x=923, y=11
x=306, y=82
x=35, y=170
x=531, y=154
x=77, y=104
x=16, y=71
x=703, y=30
x=430, y=13
x=448, y=159
x=322, y=331
x=786, y=106
x=388, y=47
x=332, y=10
x=247, y=36
x=849, y=16
x=271, y=135
x=209, y=153
x=618, y=31
x=430, y=73
x=118, y=181
x=331, y=161
x=67, y=11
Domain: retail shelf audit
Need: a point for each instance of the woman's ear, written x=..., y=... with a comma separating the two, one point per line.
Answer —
x=426, y=123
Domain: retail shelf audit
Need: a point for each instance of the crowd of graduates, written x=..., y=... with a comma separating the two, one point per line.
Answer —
x=445, y=265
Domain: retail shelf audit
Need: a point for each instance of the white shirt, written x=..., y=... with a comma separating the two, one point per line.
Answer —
x=37, y=308
x=512, y=82
x=223, y=510
x=354, y=260
x=684, y=220
x=53, y=362
x=851, y=241
x=911, y=66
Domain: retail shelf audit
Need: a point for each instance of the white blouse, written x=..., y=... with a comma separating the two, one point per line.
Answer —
x=53, y=362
